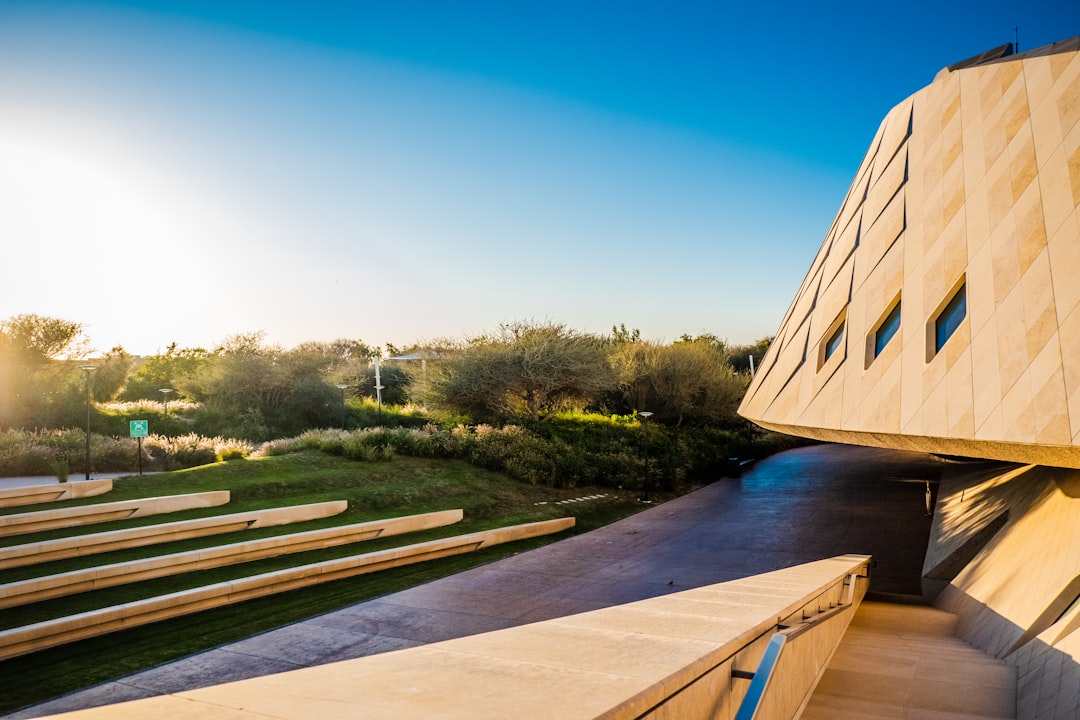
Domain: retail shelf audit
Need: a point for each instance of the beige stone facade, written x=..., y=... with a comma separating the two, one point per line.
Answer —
x=968, y=194
x=942, y=314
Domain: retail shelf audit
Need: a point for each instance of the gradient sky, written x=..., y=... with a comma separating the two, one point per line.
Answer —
x=400, y=171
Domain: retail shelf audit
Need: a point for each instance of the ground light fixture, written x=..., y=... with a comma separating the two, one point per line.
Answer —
x=87, y=369
x=342, y=387
x=645, y=415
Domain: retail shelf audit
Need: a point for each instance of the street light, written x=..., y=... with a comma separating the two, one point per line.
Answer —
x=645, y=415
x=87, y=369
x=342, y=387
x=379, y=387
x=165, y=392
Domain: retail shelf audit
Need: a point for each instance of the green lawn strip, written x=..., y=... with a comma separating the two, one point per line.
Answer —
x=39, y=676
x=120, y=594
x=272, y=482
x=374, y=491
x=403, y=486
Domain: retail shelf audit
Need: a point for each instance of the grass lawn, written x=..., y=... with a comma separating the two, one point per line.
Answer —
x=404, y=486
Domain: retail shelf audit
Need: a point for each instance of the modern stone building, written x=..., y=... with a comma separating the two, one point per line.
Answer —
x=942, y=314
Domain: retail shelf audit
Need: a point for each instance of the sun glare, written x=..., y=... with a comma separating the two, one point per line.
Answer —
x=92, y=231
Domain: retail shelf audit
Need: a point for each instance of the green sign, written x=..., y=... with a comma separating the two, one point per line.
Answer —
x=138, y=428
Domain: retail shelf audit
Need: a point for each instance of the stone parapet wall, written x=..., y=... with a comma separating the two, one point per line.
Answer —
x=665, y=657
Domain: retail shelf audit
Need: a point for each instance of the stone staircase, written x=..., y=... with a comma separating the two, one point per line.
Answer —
x=904, y=661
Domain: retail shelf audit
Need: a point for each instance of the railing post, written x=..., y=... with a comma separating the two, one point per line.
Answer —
x=749, y=706
x=852, y=579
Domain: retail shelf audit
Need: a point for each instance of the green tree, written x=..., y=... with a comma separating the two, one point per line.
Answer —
x=621, y=336
x=524, y=370
x=171, y=369
x=38, y=386
x=111, y=373
x=689, y=381
x=396, y=382
x=256, y=391
x=37, y=339
x=740, y=354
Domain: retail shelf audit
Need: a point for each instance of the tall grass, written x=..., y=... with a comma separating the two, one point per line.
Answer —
x=564, y=450
x=149, y=407
x=38, y=452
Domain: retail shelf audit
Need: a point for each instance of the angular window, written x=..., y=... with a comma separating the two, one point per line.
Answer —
x=834, y=341
x=832, y=348
x=886, y=330
x=950, y=318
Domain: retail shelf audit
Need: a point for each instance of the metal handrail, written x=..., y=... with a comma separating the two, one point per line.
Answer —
x=759, y=679
x=796, y=630
x=749, y=706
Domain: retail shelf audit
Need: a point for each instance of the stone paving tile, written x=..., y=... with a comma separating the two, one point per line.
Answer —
x=412, y=623
x=309, y=644
x=98, y=696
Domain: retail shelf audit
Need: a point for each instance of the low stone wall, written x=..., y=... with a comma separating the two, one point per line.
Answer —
x=49, y=550
x=53, y=492
x=22, y=640
x=77, y=581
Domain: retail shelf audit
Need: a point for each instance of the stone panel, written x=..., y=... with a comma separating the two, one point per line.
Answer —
x=974, y=181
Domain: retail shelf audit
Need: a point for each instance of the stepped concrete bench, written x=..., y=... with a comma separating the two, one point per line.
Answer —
x=54, y=492
x=22, y=523
x=79, y=545
x=51, y=633
x=53, y=586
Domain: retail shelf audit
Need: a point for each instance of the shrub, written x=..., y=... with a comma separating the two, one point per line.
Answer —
x=356, y=447
x=282, y=446
x=562, y=451
x=37, y=452
x=184, y=451
x=60, y=469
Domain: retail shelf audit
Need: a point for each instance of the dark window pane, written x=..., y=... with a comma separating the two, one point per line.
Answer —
x=834, y=341
x=950, y=318
x=886, y=330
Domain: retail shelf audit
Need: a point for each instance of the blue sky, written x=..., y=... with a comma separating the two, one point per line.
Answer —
x=403, y=171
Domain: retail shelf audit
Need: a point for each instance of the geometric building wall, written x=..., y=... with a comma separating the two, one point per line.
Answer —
x=1018, y=596
x=942, y=312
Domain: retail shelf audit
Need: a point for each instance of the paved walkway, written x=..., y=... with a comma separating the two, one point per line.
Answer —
x=12, y=482
x=792, y=508
x=904, y=661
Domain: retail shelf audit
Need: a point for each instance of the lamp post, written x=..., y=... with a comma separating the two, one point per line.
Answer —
x=87, y=369
x=342, y=387
x=378, y=388
x=645, y=415
x=165, y=392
